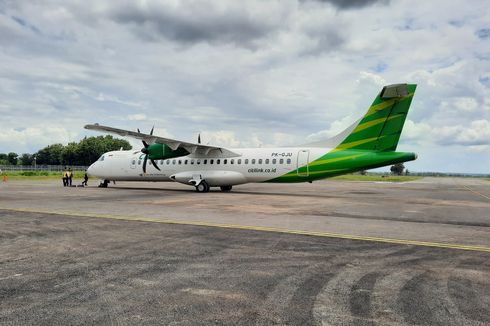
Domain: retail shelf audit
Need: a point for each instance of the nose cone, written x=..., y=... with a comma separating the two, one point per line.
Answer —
x=90, y=170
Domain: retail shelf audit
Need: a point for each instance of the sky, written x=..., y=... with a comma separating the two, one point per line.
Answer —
x=246, y=73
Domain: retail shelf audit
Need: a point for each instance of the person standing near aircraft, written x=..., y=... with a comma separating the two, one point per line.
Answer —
x=65, y=177
x=70, y=177
x=85, y=179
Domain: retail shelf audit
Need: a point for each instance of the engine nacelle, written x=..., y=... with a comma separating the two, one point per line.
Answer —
x=162, y=152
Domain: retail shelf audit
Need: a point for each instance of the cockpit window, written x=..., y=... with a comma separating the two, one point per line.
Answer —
x=101, y=158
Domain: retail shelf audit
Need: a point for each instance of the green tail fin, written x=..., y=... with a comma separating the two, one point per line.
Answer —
x=381, y=126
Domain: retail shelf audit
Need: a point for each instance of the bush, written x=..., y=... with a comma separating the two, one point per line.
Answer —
x=34, y=173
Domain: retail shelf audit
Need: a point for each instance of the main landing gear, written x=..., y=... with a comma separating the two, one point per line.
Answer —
x=104, y=184
x=202, y=186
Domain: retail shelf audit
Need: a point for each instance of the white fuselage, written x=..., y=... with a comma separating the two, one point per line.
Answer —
x=253, y=165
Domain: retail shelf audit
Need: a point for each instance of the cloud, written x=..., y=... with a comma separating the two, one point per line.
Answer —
x=224, y=138
x=250, y=73
x=23, y=139
x=137, y=117
x=352, y=4
x=477, y=133
x=190, y=22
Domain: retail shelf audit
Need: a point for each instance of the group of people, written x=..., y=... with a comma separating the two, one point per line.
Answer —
x=68, y=178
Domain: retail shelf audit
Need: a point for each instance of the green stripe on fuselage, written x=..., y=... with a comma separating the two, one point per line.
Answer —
x=340, y=162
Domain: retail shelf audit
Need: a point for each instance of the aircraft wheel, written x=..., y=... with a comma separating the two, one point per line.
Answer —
x=202, y=187
x=225, y=188
x=104, y=184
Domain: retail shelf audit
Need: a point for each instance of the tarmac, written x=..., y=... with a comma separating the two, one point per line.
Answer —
x=327, y=253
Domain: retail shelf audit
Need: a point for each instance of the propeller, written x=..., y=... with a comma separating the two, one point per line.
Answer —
x=145, y=151
x=199, y=138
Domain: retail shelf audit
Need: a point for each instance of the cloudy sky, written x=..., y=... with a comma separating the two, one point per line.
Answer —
x=246, y=73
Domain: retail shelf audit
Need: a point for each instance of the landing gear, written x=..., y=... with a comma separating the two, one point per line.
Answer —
x=225, y=188
x=202, y=186
x=104, y=184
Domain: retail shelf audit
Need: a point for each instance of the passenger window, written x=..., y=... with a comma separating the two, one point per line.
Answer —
x=139, y=162
x=232, y=161
x=180, y=162
x=239, y=161
x=266, y=161
x=260, y=161
x=281, y=161
x=246, y=161
x=289, y=161
x=253, y=161
x=205, y=162
x=217, y=161
x=161, y=162
x=168, y=162
x=198, y=161
x=274, y=161
x=211, y=161
x=185, y=162
x=173, y=162
x=192, y=161
x=133, y=162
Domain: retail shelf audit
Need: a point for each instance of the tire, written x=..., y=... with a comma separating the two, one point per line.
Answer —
x=202, y=187
x=226, y=188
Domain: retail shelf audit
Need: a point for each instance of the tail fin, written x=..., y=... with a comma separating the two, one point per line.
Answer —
x=380, y=128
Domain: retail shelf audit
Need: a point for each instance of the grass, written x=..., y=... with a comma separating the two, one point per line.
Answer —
x=38, y=175
x=387, y=178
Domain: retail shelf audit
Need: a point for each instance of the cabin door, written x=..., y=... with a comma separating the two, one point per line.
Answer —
x=302, y=163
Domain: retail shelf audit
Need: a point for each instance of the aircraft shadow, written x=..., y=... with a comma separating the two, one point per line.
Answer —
x=242, y=192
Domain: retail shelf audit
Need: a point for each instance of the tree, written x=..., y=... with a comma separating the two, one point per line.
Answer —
x=26, y=159
x=70, y=154
x=90, y=149
x=12, y=158
x=3, y=159
x=397, y=168
x=50, y=155
x=85, y=152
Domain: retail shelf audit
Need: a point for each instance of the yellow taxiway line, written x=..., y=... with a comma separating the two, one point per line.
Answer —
x=261, y=228
x=476, y=192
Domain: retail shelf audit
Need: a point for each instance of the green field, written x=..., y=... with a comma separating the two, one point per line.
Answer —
x=38, y=175
x=387, y=178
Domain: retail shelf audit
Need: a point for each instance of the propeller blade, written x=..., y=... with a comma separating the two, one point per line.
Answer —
x=139, y=132
x=145, y=144
x=144, y=163
x=199, y=138
x=155, y=165
x=151, y=131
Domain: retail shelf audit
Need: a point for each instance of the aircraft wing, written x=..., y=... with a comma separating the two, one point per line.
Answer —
x=192, y=148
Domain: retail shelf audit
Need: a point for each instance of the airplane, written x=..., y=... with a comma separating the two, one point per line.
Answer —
x=368, y=143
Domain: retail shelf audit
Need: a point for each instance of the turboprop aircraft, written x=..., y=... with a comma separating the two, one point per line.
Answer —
x=368, y=143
